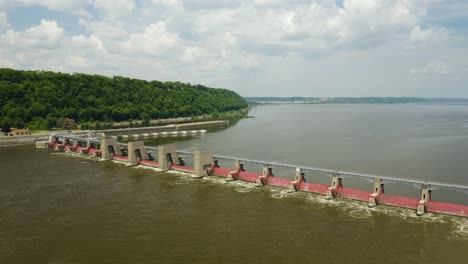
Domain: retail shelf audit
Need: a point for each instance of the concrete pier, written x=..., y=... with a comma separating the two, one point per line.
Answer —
x=136, y=152
x=374, y=198
x=298, y=179
x=425, y=197
x=234, y=175
x=167, y=156
x=335, y=185
x=109, y=148
x=267, y=172
x=203, y=159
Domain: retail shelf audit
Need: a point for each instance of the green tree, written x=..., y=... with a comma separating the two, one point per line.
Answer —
x=7, y=124
x=25, y=95
x=50, y=122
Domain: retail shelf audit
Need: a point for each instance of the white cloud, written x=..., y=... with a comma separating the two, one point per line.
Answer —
x=430, y=36
x=104, y=29
x=420, y=35
x=76, y=7
x=115, y=8
x=91, y=42
x=430, y=69
x=4, y=24
x=47, y=35
x=155, y=40
x=167, y=2
x=191, y=55
x=316, y=25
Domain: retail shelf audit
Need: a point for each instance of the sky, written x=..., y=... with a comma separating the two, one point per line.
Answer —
x=255, y=47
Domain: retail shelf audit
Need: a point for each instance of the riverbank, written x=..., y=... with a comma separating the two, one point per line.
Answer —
x=158, y=122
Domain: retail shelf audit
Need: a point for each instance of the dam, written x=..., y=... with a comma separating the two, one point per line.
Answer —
x=294, y=178
x=184, y=129
x=59, y=207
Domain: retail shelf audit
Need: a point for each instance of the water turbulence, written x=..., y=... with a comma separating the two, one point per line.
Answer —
x=261, y=173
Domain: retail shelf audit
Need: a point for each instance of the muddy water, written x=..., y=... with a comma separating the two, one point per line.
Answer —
x=57, y=208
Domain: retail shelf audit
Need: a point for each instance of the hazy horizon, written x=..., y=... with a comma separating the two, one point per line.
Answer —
x=299, y=96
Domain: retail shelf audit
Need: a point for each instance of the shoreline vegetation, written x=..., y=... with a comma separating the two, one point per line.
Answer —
x=43, y=100
x=351, y=100
x=231, y=115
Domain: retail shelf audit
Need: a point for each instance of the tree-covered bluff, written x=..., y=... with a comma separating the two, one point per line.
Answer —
x=40, y=99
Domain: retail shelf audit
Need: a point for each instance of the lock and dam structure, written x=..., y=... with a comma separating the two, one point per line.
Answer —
x=332, y=184
x=172, y=130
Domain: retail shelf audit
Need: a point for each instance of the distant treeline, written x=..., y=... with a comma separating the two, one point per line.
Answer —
x=42, y=99
x=353, y=100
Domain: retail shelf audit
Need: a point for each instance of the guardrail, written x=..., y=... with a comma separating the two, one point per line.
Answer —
x=345, y=174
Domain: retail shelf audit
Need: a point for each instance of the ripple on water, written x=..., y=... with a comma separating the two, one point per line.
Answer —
x=355, y=209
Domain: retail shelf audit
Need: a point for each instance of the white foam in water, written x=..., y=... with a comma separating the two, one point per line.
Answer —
x=149, y=168
x=213, y=180
x=241, y=186
x=119, y=162
x=359, y=209
x=460, y=228
x=355, y=209
x=277, y=193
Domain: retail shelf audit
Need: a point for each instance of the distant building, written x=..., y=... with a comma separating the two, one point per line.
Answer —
x=19, y=132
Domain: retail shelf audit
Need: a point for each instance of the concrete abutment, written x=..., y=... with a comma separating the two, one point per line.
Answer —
x=335, y=185
x=234, y=175
x=425, y=198
x=109, y=148
x=203, y=163
x=377, y=192
x=294, y=186
x=136, y=152
x=167, y=156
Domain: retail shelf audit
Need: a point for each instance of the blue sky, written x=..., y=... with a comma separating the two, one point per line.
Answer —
x=255, y=47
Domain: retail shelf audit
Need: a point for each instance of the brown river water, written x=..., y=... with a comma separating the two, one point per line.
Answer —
x=61, y=208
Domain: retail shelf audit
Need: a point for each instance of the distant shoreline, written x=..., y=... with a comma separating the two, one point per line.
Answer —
x=352, y=100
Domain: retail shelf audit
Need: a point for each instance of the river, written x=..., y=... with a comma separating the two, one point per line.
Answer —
x=58, y=208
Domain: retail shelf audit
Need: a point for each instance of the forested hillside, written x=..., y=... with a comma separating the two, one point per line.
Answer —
x=40, y=99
